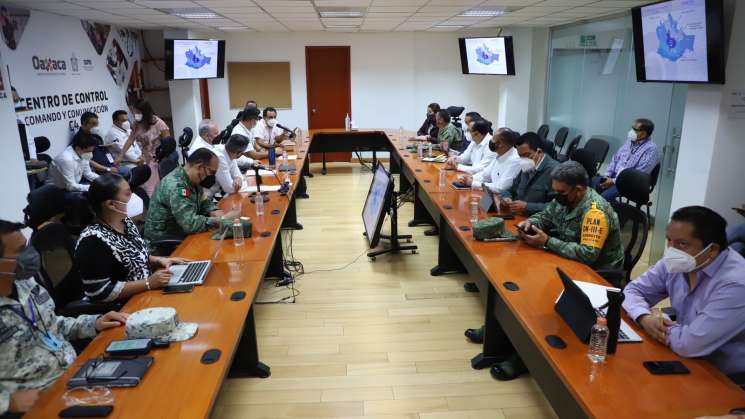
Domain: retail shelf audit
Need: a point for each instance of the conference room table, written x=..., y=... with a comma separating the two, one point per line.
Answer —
x=178, y=385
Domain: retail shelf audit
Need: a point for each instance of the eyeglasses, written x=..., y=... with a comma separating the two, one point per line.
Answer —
x=637, y=129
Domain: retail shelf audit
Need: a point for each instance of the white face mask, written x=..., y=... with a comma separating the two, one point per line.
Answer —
x=96, y=131
x=138, y=117
x=631, y=135
x=126, y=126
x=527, y=164
x=468, y=135
x=678, y=261
x=87, y=156
x=271, y=122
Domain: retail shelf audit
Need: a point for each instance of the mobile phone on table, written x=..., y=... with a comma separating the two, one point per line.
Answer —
x=666, y=367
x=174, y=289
x=127, y=347
x=82, y=411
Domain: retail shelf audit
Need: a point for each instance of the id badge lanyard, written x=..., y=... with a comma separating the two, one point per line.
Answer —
x=50, y=341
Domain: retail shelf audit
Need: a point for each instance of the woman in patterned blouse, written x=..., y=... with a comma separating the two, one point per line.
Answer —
x=110, y=255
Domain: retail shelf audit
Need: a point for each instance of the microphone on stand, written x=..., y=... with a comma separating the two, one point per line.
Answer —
x=258, y=194
x=292, y=133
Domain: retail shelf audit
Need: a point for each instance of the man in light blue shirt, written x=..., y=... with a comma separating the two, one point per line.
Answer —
x=705, y=281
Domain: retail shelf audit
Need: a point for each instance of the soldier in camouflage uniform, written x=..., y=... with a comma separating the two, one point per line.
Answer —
x=34, y=341
x=578, y=224
x=179, y=205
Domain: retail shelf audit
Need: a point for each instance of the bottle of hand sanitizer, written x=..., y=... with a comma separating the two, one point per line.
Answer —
x=347, y=123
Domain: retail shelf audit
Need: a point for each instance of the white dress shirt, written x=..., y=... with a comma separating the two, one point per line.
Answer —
x=68, y=169
x=265, y=133
x=239, y=128
x=198, y=143
x=501, y=172
x=477, y=157
x=118, y=137
x=228, y=169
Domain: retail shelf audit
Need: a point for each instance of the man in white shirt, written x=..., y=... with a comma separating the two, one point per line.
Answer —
x=502, y=171
x=477, y=156
x=72, y=165
x=470, y=117
x=228, y=175
x=206, y=134
x=266, y=133
x=118, y=136
x=249, y=118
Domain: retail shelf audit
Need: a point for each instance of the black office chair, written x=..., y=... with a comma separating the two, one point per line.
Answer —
x=654, y=177
x=635, y=186
x=137, y=177
x=43, y=204
x=570, y=149
x=543, y=131
x=42, y=144
x=166, y=166
x=634, y=227
x=600, y=148
x=184, y=141
x=587, y=160
x=560, y=138
x=550, y=149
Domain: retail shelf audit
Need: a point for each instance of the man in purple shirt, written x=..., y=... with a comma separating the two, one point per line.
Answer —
x=639, y=153
x=705, y=281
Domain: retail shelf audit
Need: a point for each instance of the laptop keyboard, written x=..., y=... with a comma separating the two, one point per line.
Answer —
x=621, y=334
x=193, y=273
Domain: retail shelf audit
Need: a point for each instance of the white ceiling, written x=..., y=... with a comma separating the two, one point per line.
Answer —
x=301, y=15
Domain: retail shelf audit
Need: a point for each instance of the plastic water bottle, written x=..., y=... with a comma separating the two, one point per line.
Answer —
x=420, y=150
x=598, y=341
x=272, y=157
x=474, y=211
x=284, y=157
x=443, y=178
x=238, y=239
x=347, y=123
x=429, y=150
x=259, y=205
x=401, y=133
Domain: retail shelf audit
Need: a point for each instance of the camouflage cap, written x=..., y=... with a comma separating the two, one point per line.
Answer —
x=159, y=323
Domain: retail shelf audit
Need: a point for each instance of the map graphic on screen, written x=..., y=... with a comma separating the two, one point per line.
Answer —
x=674, y=36
x=486, y=55
x=194, y=59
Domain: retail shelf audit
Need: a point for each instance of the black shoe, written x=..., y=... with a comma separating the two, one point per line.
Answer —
x=508, y=370
x=470, y=287
x=432, y=232
x=475, y=335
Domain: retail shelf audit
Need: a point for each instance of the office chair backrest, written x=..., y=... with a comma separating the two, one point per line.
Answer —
x=165, y=149
x=550, y=149
x=543, y=131
x=166, y=166
x=138, y=176
x=654, y=177
x=600, y=148
x=634, y=226
x=43, y=203
x=633, y=185
x=587, y=159
x=57, y=249
x=560, y=138
x=42, y=144
x=184, y=140
x=573, y=146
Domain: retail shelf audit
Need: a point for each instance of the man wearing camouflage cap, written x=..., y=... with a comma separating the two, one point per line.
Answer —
x=34, y=341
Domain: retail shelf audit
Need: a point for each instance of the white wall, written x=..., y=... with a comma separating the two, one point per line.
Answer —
x=12, y=169
x=394, y=75
x=710, y=163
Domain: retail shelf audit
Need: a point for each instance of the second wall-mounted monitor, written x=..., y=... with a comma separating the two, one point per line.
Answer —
x=492, y=56
x=195, y=59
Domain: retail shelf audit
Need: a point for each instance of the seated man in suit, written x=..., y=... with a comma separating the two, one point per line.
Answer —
x=703, y=278
x=578, y=224
x=530, y=193
x=477, y=156
x=180, y=206
x=35, y=348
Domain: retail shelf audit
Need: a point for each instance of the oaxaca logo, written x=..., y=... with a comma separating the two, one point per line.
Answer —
x=49, y=65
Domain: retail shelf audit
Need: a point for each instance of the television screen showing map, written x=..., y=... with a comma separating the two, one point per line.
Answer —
x=486, y=56
x=195, y=59
x=674, y=38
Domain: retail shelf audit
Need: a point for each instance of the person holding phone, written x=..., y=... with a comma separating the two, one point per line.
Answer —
x=704, y=281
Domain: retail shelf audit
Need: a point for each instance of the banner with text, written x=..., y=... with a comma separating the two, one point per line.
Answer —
x=60, y=67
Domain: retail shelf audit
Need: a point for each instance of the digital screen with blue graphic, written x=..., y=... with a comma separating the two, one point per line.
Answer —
x=487, y=56
x=195, y=58
x=678, y=41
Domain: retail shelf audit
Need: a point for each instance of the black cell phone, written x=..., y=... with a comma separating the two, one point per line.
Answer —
x=173, y=289
x=127, y=347
x=86, y=411
x=529, y=230
x=666, y=367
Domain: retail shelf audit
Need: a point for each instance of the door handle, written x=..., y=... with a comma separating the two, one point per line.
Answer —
x=670, y=166
x=313, y=111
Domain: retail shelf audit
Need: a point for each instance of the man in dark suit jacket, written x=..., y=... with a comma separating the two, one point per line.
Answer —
x=531, y=191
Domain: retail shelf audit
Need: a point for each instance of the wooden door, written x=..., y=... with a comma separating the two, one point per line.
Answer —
x=329, y=87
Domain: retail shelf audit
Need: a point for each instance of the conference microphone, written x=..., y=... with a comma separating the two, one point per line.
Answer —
x=292, y=134
x=257, y=166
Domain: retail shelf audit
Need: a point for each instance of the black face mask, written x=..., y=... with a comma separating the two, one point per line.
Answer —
x=493, y=146
x=28, y=263
x=208, y=182
x=562, y=199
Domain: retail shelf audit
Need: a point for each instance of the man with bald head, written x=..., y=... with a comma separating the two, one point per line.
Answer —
x=207, y=133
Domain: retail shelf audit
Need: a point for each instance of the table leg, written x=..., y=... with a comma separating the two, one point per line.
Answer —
x=323, y=158
x=306, y=167
x=497, y=346
x=290, y=220
x=421, y=215
x=447, y=260
x=246, y=359
x=276, y=267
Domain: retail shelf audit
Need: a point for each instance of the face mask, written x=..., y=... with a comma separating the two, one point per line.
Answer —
x=271, y=122
x=133, y=208
x=527, y=164
x=468, y=135
x=208, y=182
x=678, y=261
x=87, y=156
x=492, y=146
x=28, y=263
x=126, y=126
x=562, y=199
x=631, y=135
x=138, y=117
x=96, y=131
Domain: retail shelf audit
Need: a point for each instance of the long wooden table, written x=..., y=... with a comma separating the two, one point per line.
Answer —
x=178, y=385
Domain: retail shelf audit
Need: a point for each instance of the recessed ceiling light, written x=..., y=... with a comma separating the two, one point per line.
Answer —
x=234, y=28
x=192, y=13
x=488, y=11
x=448, y=26
x=340, y=26
x=332, y=12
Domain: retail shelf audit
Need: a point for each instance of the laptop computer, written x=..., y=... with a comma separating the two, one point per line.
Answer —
x=581, y=303
x=194, y=273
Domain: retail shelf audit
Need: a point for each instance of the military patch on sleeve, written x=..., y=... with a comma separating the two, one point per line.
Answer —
x=185, y=192
x=6, y=331
x=40, y=296
x=594, y=228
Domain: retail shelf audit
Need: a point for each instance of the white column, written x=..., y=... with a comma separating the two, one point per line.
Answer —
x=186, y=103
x=13, y=169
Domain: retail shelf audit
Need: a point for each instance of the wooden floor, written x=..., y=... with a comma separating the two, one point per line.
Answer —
x=378, y=339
